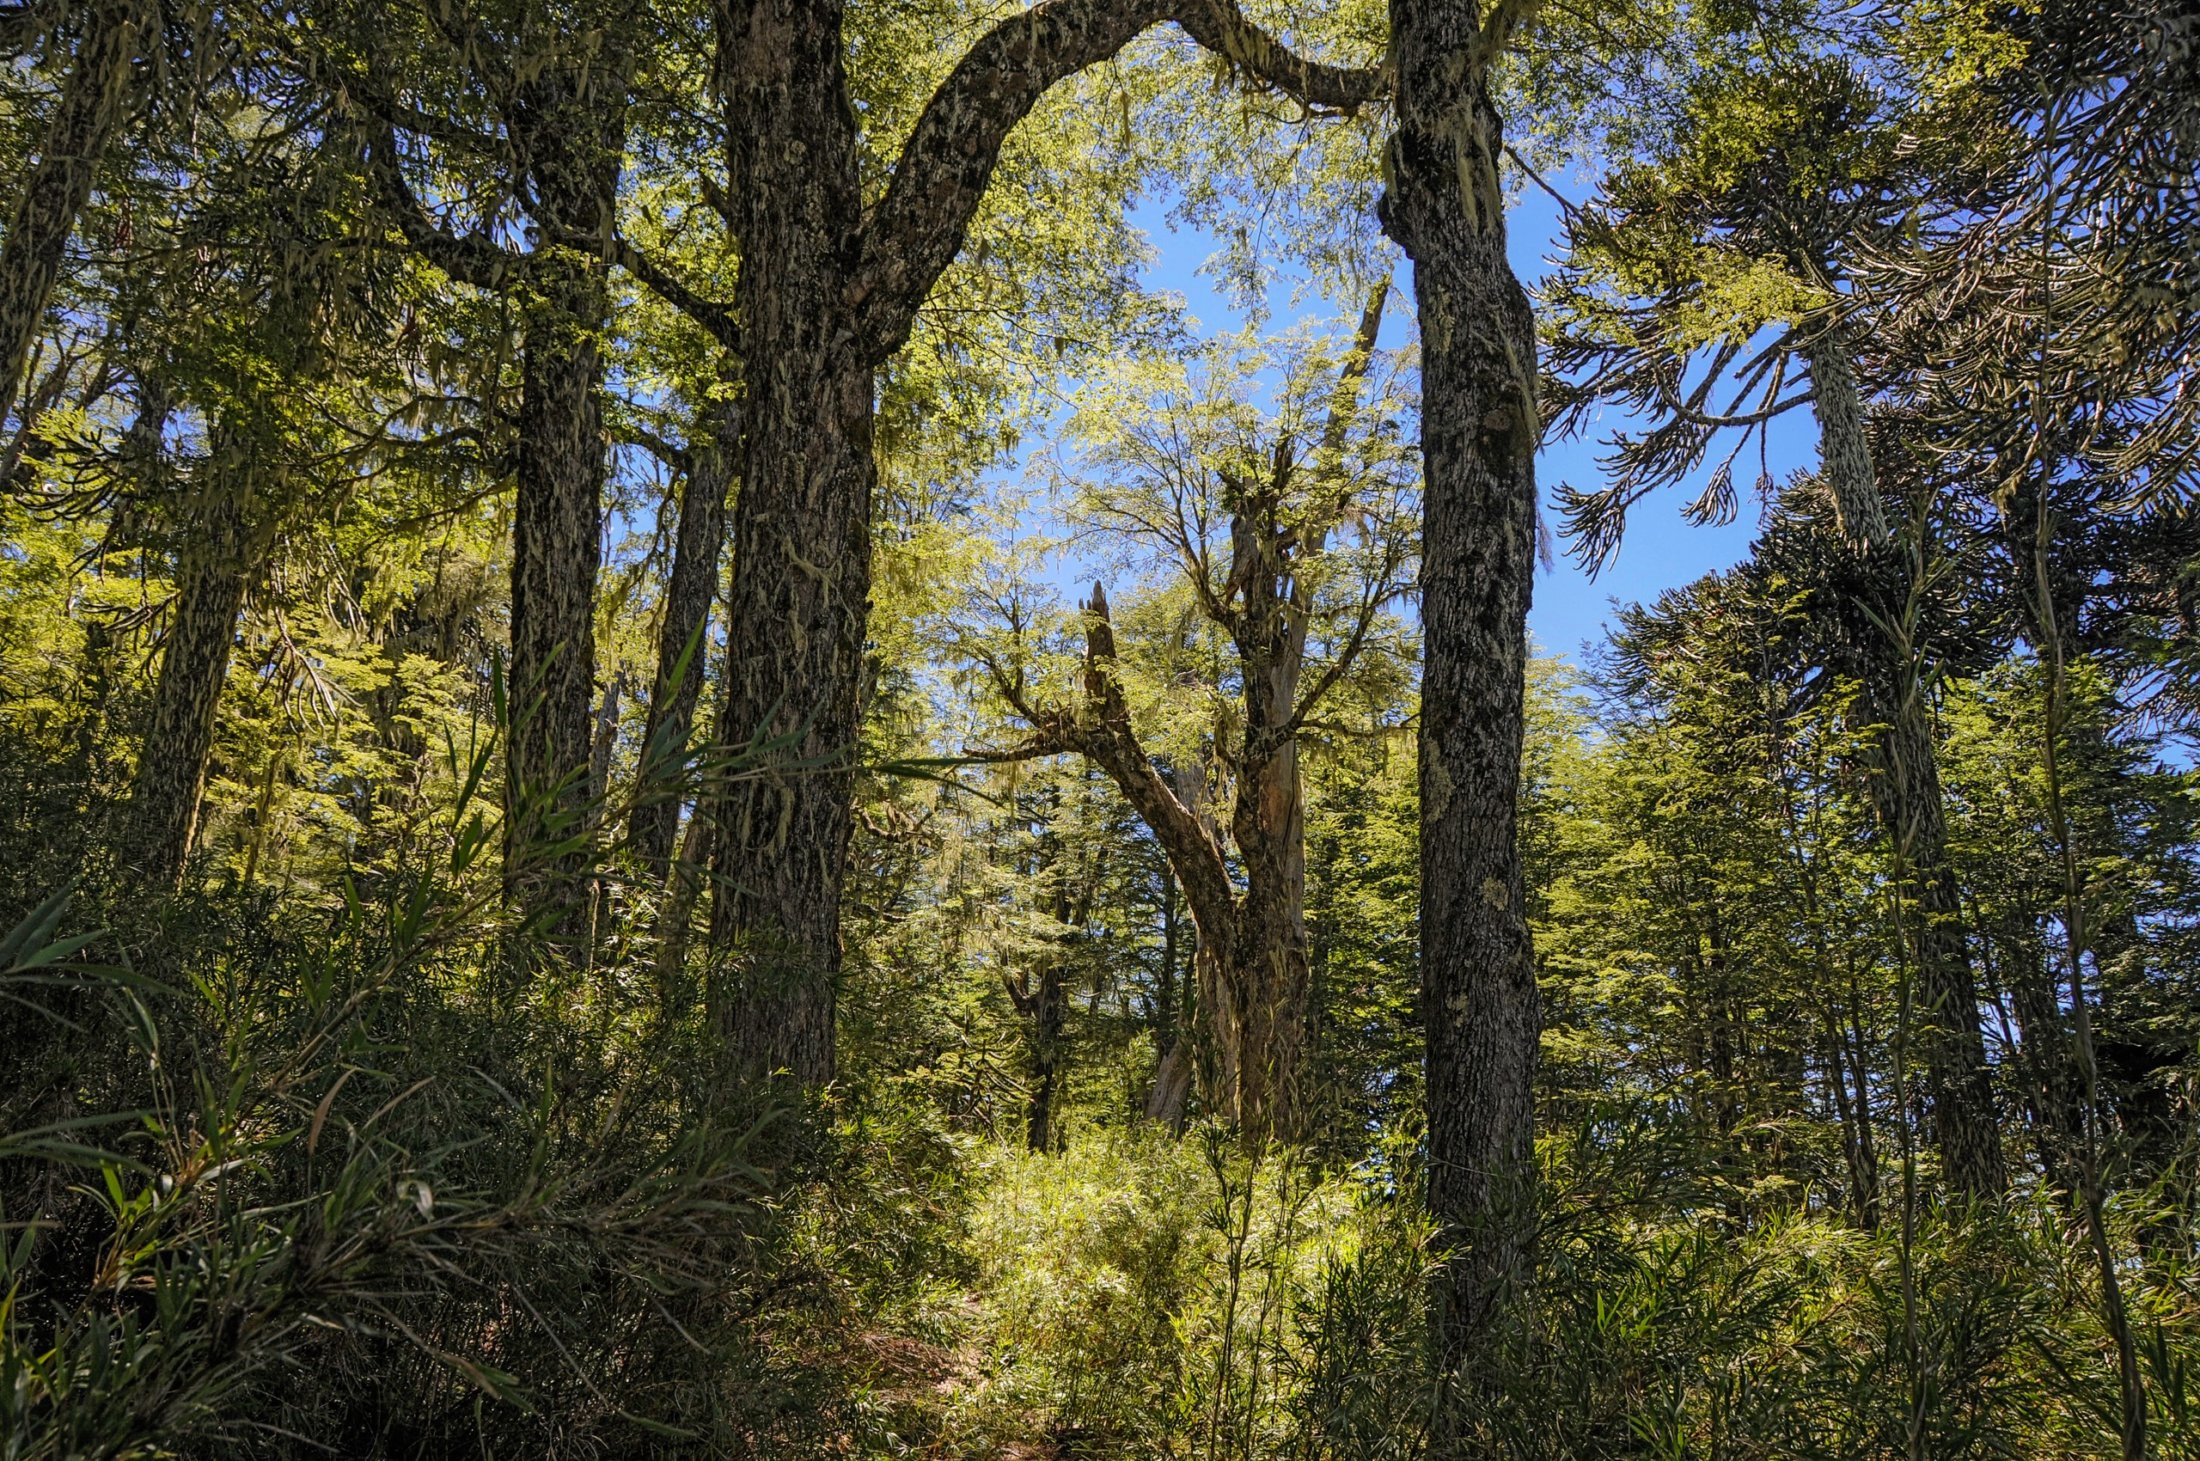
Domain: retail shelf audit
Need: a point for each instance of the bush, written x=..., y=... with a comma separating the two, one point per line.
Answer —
x=1156, y=1297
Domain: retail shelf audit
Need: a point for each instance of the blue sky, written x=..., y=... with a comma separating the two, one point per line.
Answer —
x=1661, y=550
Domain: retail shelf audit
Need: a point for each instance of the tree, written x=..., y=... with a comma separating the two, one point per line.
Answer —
x=705, y=467
x=252, y=367
x=827, y=292
x=1293, y=556
x=1479, y=429
x=95, y=101
x=544, y=93
x=1752, y=227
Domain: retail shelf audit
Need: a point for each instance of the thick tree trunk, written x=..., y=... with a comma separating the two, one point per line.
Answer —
x=556, y=552
x=572, y=123
x=827, y=292
x=179, y=740
x=1479, y=428
x=93, y=103
x=680, y=641
x=801, y=543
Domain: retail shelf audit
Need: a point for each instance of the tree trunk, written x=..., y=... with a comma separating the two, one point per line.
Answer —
x=828, y=291
x=1261, y=1017
x=1164, y=1013
x=680, y=641
x=572, y=123
x=1479, y=429
x=179, y=740
x=1906, y=795
x=1853, y=1106
x=1906, y=792
x=801, y=542
x=1172, y=1075
x=2054, y=1103
x=93, y=102
x=1045, y=1010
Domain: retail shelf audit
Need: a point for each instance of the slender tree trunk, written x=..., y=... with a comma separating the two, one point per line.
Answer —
x=605, y=744
x=2044, y=1058
x=675, y=921
x=1164, y=1014
x=1172, y=1077
x=1722, y=1058
x=1906, y=794
x=1853, y=1105
x=573, y=125
x=680, y=648
x=1479, y=428
x=1906, y=790
x=142, y=460
x=179, y=740
x=801, y=543
x=94, y=100
x=1045, y=1010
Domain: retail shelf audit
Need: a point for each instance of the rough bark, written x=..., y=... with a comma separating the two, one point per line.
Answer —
x=179, y=741
x=689, y=590
x=1252, y=969
x=1907, y=798
x=801, y=536
x=93, y=103
x=1242, y=1044
x=1844, y=450
x=570, y=123
x=1479, y=429
x=824, y=297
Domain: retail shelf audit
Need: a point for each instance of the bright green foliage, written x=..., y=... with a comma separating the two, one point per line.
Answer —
x=331, y=1150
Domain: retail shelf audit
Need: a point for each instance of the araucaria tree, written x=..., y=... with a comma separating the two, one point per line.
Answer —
x=1727, y=267
x=482, y=125
x=795, y=728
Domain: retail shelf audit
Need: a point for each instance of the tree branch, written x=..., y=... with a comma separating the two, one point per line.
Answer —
x=919, y=226
x=469, y=257
x=1219, y=26
x=713, y=316
x=1105, y=734
x=1506, y=19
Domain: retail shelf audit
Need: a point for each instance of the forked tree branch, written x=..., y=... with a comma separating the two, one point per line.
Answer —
x=919, y=226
